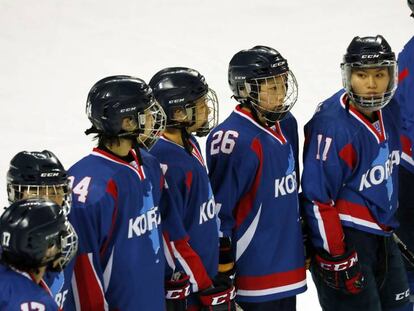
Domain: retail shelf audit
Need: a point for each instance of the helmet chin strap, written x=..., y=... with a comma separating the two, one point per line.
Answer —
x=185, y=136
x=136, y=148
x=248, y=103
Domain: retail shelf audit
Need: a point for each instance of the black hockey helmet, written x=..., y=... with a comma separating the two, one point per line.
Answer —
x=411, y=6
x=365, y=53
x=36, y=174
x=180, y=88
x=114, y=98
x=249, y=69
x=29, y=228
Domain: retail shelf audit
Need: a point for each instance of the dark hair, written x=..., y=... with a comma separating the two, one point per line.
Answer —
x=106, y=140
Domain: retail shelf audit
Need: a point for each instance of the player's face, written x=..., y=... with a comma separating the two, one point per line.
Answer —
x=272, y=93
x=370, y=82
x=201, y=112
x=54, y=193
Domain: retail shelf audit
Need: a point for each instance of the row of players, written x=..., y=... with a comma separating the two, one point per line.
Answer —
x=151, y=238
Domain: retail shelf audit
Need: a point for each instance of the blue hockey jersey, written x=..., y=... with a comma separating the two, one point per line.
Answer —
x=56, y=283
x=115, y=211
x=253, y=174
x=405, y=99
x=350, y=172
x=197, y=251
x=18, y=292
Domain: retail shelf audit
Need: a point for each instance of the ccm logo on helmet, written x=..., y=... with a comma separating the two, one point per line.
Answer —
x=370, y=56
x=49, y=174
x=176, y=101
x=277, y=64
x=127, y=109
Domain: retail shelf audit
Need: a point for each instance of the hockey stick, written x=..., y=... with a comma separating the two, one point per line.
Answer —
x=408, y=255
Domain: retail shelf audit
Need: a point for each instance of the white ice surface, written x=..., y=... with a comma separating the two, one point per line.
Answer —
x=53, y=51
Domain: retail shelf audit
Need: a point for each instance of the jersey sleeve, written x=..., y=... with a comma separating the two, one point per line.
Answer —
x=93, y=220
x=405, y=98
x=175, y=200
x=328, y=161
x=231, y=175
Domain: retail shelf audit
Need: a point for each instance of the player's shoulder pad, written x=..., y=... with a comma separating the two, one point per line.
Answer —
x=92, y=174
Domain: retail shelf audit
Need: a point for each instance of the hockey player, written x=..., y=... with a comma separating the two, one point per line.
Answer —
x=252, y=161
x=116, y=192
x=405, y=99
x=38, y=174
x=191, y=107
x=41, y=175
x=35, y=237
x=350, y=185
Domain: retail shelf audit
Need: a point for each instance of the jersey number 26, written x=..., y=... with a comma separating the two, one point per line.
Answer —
x=223, y=142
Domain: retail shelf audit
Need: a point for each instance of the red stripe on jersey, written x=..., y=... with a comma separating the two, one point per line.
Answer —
x=348, y=154
x=112, y=189
x=162, y=181
x=189, y=179
x=271, y=280
x=245, y=205
x=357, y=211
x=406, y=145
x=402, y=75
x=197, y=153
x=280, y=133
x=194, y=263
x=333, y=228
x=168, y=251
x=88, y=286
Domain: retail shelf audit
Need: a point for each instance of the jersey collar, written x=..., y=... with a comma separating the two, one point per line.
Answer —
x=195, y=152
x=379, y=137
x=275, y=131
x=31, y=277
x=138, y=169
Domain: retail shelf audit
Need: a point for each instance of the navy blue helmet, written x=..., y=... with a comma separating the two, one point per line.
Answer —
x=30, y=228
x=181, y=89
x=114, y=98
x=365, y=53
x=411, y=6
x=38, y=174
x=249, y=70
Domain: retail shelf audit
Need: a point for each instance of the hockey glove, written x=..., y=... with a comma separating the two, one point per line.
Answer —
x=176, y=292
x=226, y=267
x=221, y=297
x=341, y=272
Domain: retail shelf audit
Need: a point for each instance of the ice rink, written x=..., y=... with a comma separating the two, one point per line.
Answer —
x=53, y=51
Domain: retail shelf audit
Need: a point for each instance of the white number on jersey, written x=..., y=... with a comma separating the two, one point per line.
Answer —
x=327, y=145
x=223, y=141
x=32, y=306
x=81, y=188
x=164, y=168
